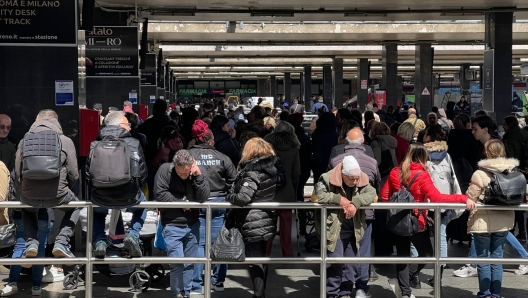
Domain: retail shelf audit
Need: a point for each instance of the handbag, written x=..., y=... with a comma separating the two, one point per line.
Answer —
x=7, y=235
x=159, y=240
x=229, y=244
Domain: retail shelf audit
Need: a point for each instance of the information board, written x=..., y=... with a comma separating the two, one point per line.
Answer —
x=38, y=22
x=148, y=75
x=112, y=51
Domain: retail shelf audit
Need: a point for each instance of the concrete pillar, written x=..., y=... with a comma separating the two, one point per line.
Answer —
x=337, y=82
x=287, y=87
x=273, y=90
x=301, y=87
x=498, y=64
x=399, y=90
x=390, y=72
x=363, y=70
x=262, y=87
x=423, y=78
x=307, y=85
x=327, y=86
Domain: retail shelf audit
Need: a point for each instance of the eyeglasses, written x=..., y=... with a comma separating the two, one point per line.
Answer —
x=5, y=127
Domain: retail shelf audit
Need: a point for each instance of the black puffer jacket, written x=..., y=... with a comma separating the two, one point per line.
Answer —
x=129, y=190
x=514, y=141
x=228, y=146
x=255, y=183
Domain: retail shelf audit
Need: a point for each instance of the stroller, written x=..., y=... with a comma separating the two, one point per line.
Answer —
x=141, y=275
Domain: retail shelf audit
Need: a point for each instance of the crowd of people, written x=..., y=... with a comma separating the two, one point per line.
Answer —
x=220, y=154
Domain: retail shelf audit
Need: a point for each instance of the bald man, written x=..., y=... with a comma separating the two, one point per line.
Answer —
x=369, y=166
x=7, y=149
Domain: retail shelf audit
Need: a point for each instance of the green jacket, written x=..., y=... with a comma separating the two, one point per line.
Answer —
x=329, y=190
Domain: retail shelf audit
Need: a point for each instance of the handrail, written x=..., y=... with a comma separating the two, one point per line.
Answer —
x=323, y=260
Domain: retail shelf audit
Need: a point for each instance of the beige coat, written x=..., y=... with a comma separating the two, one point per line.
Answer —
x=4, y=192
x=489, y=221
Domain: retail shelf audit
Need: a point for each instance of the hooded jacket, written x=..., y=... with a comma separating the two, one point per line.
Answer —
x=489, y=221
x=69, y=174
x=228, y=146
x=287, y=146
x=7, y=153
x=255, y=183
x=167, y=150
x=329, y=190
x=443, y=117
x=514, y=142
x=440, y=163
x=422, y=189
x=381, y=143
x=401, y=149
x=169, y=187
x=126, y=192
x=256, y=127
x=462, y=144
x=221, y=172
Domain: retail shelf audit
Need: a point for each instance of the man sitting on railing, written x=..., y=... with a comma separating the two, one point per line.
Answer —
x=347, y=186
x=181, y=181
x=105, y=163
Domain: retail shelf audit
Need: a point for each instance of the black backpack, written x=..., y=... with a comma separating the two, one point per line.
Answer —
x=403, y=222
x=41, y=155
x=281, y=174
x=505, y=189
x=112, y=163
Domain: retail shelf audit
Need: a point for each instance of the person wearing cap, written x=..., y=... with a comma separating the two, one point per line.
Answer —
x=319, y=105
x=99, y=108
x=347, y=186
x=414, y=120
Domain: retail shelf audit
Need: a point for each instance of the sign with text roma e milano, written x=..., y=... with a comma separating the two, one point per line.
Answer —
x=38, y=22
x=112, y=52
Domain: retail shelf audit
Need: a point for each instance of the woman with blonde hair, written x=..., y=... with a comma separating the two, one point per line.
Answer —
x=490, y=228
x=270, y=123
x=413, y=170
x=255, y=183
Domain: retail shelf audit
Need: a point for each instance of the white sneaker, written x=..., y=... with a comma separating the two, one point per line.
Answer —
x=361, y=294
x=9, y=289
x=466, y=271
x=523, y=269
x=52, y=275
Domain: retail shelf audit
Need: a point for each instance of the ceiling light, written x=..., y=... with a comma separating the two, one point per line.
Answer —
x=274, y=14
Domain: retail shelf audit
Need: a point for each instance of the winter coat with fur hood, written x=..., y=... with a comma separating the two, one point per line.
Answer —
x=440, y=165
x=489, y=221
x=286, y=146
x=255, y=183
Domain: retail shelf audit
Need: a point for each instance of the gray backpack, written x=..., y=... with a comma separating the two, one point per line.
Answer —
x=41, y=155
x=110, y=163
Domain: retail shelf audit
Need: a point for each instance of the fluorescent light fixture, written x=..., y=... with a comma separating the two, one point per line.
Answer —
x=459, y=14
x=174, y=14
x=363, y=14
x=524, y=59
x=275, y=14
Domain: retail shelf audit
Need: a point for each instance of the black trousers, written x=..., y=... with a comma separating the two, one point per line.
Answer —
x=403, y=245
x=257, y=272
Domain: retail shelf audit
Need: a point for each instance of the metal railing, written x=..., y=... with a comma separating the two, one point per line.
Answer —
x=322, y=260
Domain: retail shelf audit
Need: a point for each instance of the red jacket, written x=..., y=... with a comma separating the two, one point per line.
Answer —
x=422, y=189
x=401, y=149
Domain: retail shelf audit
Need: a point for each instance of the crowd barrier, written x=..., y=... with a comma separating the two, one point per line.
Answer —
x=322, y=260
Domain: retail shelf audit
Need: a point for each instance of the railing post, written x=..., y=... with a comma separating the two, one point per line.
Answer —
x=207, y=248
x=437, y=236
x=88, y=281
x=322, y=292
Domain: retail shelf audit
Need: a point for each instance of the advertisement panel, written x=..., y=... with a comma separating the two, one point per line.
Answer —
x=38, y=22
x=148, y=75
x=112, y=51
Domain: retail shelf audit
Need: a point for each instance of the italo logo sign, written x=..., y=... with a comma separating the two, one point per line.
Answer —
x=243, y=91
x=101, y=31
x=192, y=91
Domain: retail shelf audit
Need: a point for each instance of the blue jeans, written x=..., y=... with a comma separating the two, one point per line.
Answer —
x=489, y=245
x=363, y=270
x=181, y=242
x=136, y=224
x=511, y=241
x=219, y=271
x=44, y=229
x=338, y=281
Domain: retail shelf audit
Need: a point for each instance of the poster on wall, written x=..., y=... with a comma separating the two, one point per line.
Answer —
x=64, y=91
x=112, y=52
x=148, y=75
x=38, y=23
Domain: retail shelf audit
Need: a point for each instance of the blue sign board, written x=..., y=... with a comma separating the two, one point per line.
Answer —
x=64, y=93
